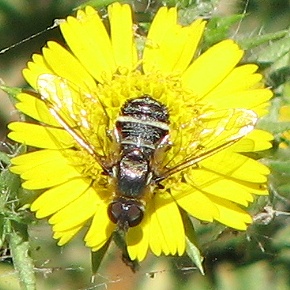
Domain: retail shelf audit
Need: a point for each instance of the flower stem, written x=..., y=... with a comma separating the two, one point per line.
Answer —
x=23, y=263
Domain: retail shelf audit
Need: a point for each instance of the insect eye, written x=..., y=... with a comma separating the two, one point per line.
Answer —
x=126, y=213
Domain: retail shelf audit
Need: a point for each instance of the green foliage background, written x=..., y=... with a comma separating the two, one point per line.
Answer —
x=257, y=259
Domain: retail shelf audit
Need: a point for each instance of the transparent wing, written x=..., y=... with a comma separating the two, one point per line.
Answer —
x=205, y=136
x=79, y=112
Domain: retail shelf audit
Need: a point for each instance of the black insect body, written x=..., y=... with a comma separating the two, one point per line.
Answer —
x=140, y=129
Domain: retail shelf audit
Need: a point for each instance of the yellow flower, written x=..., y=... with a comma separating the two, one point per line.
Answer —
x=211, y=101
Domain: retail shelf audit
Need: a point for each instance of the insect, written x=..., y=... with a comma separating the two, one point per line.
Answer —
x=139, y=141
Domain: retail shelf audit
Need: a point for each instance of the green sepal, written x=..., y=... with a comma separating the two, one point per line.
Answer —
x=98, y=256
x=11, y=91
x=192, y=249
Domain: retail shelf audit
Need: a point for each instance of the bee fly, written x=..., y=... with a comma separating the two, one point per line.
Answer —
x=141, y=133
x=141, y=129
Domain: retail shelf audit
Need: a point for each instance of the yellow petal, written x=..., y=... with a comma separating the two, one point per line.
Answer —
x=124, y=49
x=236, y=166
x=100, y=229
x=35, y=108
x=65, y=65
x=259, y=140
x=255, y=188
x=49, y=174
x=252, y=171
x=77, y=212
x=40, y=136
x=27, y=161
x=162, y=26
x=49, y=168
x=35, y=68
x=195, y=202
x=208, y=70
x=157, y=242
x=59, y=196
x=66, y=236
x=137, y=238
x=228, y=189
x=191, y=37
x=170, y=47
x=89, y=41
x=240, y=79
x=166, y=227
x=231, y=215
x=249, y=99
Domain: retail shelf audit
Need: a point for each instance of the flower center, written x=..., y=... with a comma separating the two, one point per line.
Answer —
x=103, y=106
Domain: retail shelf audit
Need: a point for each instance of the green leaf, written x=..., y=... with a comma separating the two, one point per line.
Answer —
x=23, y=264
x=4, y=158
x=9, y=182
x=285, y=188
x=279, y=76
x=191, y=244
x=273, y=52
x=191, y=10
x=218, y=28
x=11, y=91
x=2, y=230
x=279, y=165
x=274, y=127
x=194, y=254
x=254, y=41
x=96, y=3
x=97, y=257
